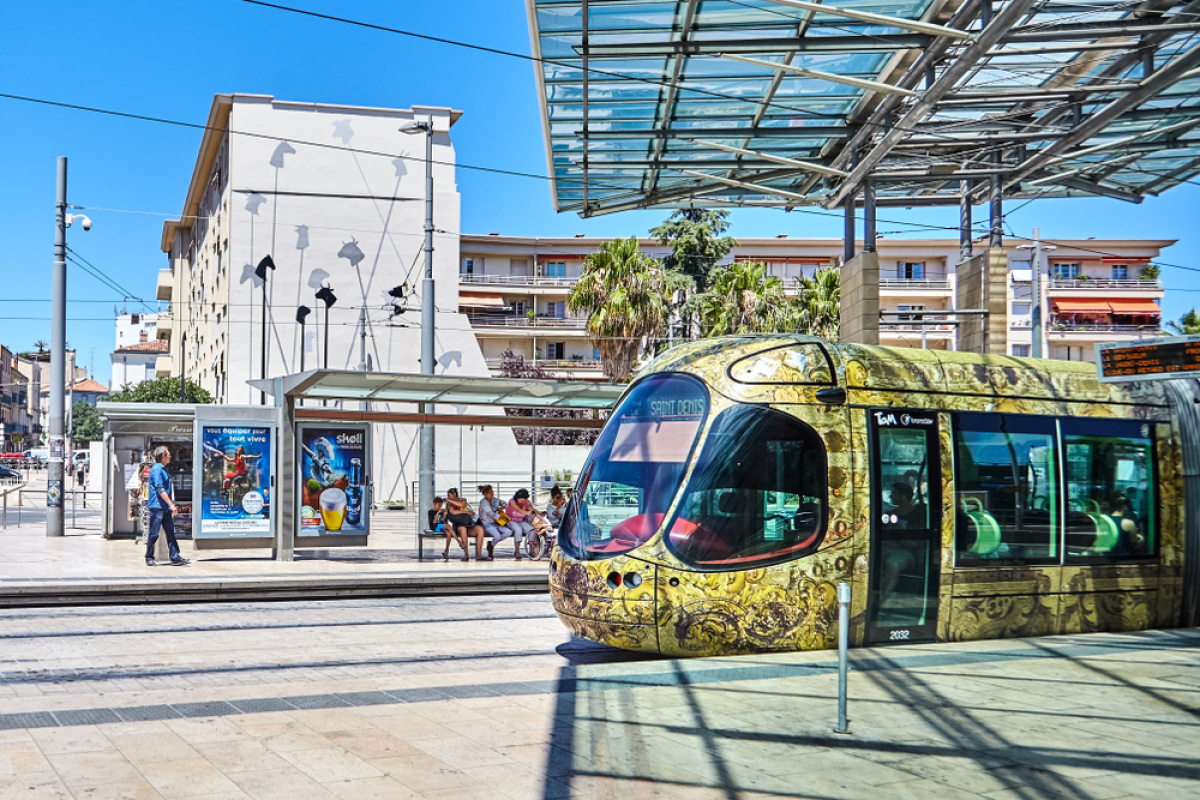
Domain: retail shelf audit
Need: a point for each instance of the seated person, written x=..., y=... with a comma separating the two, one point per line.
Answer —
x=463, y=520
x=558, y=504
x=438, y=523
x=520, y=515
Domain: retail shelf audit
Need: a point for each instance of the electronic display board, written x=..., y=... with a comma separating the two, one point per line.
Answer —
x=1149, y=359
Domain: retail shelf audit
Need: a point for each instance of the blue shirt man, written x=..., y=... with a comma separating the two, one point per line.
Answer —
x=162, y=508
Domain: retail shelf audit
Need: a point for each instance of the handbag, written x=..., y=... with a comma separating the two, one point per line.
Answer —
x=502, y=518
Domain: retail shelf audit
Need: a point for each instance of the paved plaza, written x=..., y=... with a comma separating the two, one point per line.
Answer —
x=489, y=697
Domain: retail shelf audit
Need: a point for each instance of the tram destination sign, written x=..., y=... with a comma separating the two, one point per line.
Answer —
x=1147, y=360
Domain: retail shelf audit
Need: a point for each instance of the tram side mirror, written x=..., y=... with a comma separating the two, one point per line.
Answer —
x=834, y=395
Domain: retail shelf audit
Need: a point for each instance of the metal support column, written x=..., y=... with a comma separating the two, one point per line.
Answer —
x=964, y=222
x=869, y=216
x=426, y=471
x=584, y=54
x=58, y=360
x=996, y=235
x=1037, y=318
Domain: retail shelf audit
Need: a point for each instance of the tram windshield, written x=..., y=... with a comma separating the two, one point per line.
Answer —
x=635, y=468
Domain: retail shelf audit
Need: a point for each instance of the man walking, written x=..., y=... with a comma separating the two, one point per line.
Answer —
x=161, y=504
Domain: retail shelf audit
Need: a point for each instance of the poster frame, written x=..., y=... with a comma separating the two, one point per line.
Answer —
x=323, y=540
x=233, y=416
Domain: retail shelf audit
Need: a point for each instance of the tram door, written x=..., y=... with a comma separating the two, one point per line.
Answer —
x=906, y=527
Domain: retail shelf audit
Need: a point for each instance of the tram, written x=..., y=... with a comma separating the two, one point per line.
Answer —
x=962, y=496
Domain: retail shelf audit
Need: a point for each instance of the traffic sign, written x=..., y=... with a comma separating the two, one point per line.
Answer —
x=1147, y=360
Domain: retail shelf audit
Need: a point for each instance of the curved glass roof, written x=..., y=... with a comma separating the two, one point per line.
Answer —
x=697, y=100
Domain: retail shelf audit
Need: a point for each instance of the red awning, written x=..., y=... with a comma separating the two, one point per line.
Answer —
x=480, y=300
x=1080, y=306
x=1134, y=305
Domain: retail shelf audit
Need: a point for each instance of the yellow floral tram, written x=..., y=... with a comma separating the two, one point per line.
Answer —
x=740, y=479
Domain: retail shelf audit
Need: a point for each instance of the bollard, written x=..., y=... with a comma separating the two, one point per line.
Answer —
x=843, y=654
x=6, y=510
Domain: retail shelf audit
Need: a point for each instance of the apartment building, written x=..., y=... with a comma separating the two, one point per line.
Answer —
x=16, y=424
x=136, y=350
x=514, y=291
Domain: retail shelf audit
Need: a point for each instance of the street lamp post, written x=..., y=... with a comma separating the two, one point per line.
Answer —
x=58, y=354
x=261, y=271
x=425, y=471
x=301, y=314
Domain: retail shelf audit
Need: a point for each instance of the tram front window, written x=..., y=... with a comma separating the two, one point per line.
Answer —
x=635, y=468
x=757, y=495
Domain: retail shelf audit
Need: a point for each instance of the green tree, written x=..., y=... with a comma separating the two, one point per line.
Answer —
x=1189, y=323
x=624, y=293
x=742, y=298
x=41, y=345
x=159, y=390
x=1148, y=272
x=816, y=309
x=697, y=241
x=85, y=423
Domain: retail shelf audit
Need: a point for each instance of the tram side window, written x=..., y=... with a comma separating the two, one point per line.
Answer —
x=1110, y=480
x=1006, y=489
x=904, y=478
x=758, y=494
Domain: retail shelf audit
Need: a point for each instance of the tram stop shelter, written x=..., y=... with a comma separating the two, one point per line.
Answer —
x=828, y=107
x=296, y=397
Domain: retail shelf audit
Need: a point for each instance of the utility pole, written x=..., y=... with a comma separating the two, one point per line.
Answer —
x=58, y=359
x=425, y=470
x=1037, y=323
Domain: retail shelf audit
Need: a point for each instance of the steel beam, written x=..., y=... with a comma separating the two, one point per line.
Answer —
x=803, y=132
x=1098, y=30
x=1166, y=76
x=1152, y=186
x=665, y=108
x=807, y=166
x=876, y=43
x=1085, y=185
x=750, y=187
x=877, y=19
x=1008, y=16
x=816, y=74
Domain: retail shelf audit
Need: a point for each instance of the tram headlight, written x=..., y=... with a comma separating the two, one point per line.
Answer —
x=633, y=579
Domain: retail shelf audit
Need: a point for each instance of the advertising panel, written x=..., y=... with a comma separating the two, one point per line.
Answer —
x=331, y=486
x=235, y=490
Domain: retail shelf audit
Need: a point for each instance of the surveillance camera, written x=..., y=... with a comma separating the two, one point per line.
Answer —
x=87, y=224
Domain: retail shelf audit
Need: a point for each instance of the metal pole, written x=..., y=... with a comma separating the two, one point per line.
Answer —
x=869, y=216
x=262, y=370
x=843, y=654
x=58, y=360
x=584, y=53
x=1037, y=321
x=964, y=221
x=303, y=341
x=426, y=470
x=848, y=237
x=996, y=236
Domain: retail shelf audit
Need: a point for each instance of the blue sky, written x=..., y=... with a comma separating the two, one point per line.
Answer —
x=167, y=59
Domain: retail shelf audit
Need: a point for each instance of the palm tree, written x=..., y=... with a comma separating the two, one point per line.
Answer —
x=816, y=310
x=624, y=292
x=40, y=345
x=741, y=298
x=1189, y=323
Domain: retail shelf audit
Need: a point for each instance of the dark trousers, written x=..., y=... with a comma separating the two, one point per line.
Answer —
x=163, y=517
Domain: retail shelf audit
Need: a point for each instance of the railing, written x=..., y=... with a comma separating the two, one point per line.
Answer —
x=524, y=321
x=552, y=363
x=1090, y=283
x=1102, y=327
x=914, y=283
x=516, y=280
x=1020, y=322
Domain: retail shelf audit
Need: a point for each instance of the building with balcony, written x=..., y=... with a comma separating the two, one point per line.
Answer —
x=137, y=345
x=514, y=292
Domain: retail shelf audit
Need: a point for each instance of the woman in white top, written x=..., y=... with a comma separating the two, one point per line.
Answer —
x=489, y=511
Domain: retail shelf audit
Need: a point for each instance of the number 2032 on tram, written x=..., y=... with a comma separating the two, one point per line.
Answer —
x=962, y=496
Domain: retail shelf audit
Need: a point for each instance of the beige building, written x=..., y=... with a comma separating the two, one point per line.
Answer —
x=514, y=290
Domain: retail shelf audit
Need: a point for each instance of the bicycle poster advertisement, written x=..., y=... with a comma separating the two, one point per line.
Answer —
x=332, y=481
x=236, y=484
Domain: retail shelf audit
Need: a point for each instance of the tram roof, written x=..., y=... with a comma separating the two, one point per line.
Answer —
x=781, y=103
x=451, y=389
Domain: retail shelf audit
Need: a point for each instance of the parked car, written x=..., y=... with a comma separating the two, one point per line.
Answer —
x=8, y=475
x=37, y=459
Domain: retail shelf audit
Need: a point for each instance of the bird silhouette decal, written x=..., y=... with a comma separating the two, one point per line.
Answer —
x=254, y=201
x=301, y=237
x=282, y=149
x=342, y=130
x=317, y=278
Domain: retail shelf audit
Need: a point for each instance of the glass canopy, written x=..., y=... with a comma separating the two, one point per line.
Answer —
x=699, y=100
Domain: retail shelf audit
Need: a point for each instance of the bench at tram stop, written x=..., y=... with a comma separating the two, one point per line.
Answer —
x=427, y=533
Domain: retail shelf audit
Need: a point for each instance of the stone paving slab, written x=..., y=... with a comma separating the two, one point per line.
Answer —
x=490, y=698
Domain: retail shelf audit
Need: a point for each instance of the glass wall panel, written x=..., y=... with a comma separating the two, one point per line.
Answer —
x=1006, y=489
x=1110, y=489
x=758, y=493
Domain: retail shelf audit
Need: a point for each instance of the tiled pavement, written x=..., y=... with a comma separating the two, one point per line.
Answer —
x=489, y=698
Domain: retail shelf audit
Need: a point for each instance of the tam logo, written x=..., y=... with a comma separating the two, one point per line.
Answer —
x=884, y=419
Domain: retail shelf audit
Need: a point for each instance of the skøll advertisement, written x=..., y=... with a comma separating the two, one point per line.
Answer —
x=236, y=490
x=332, y=481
